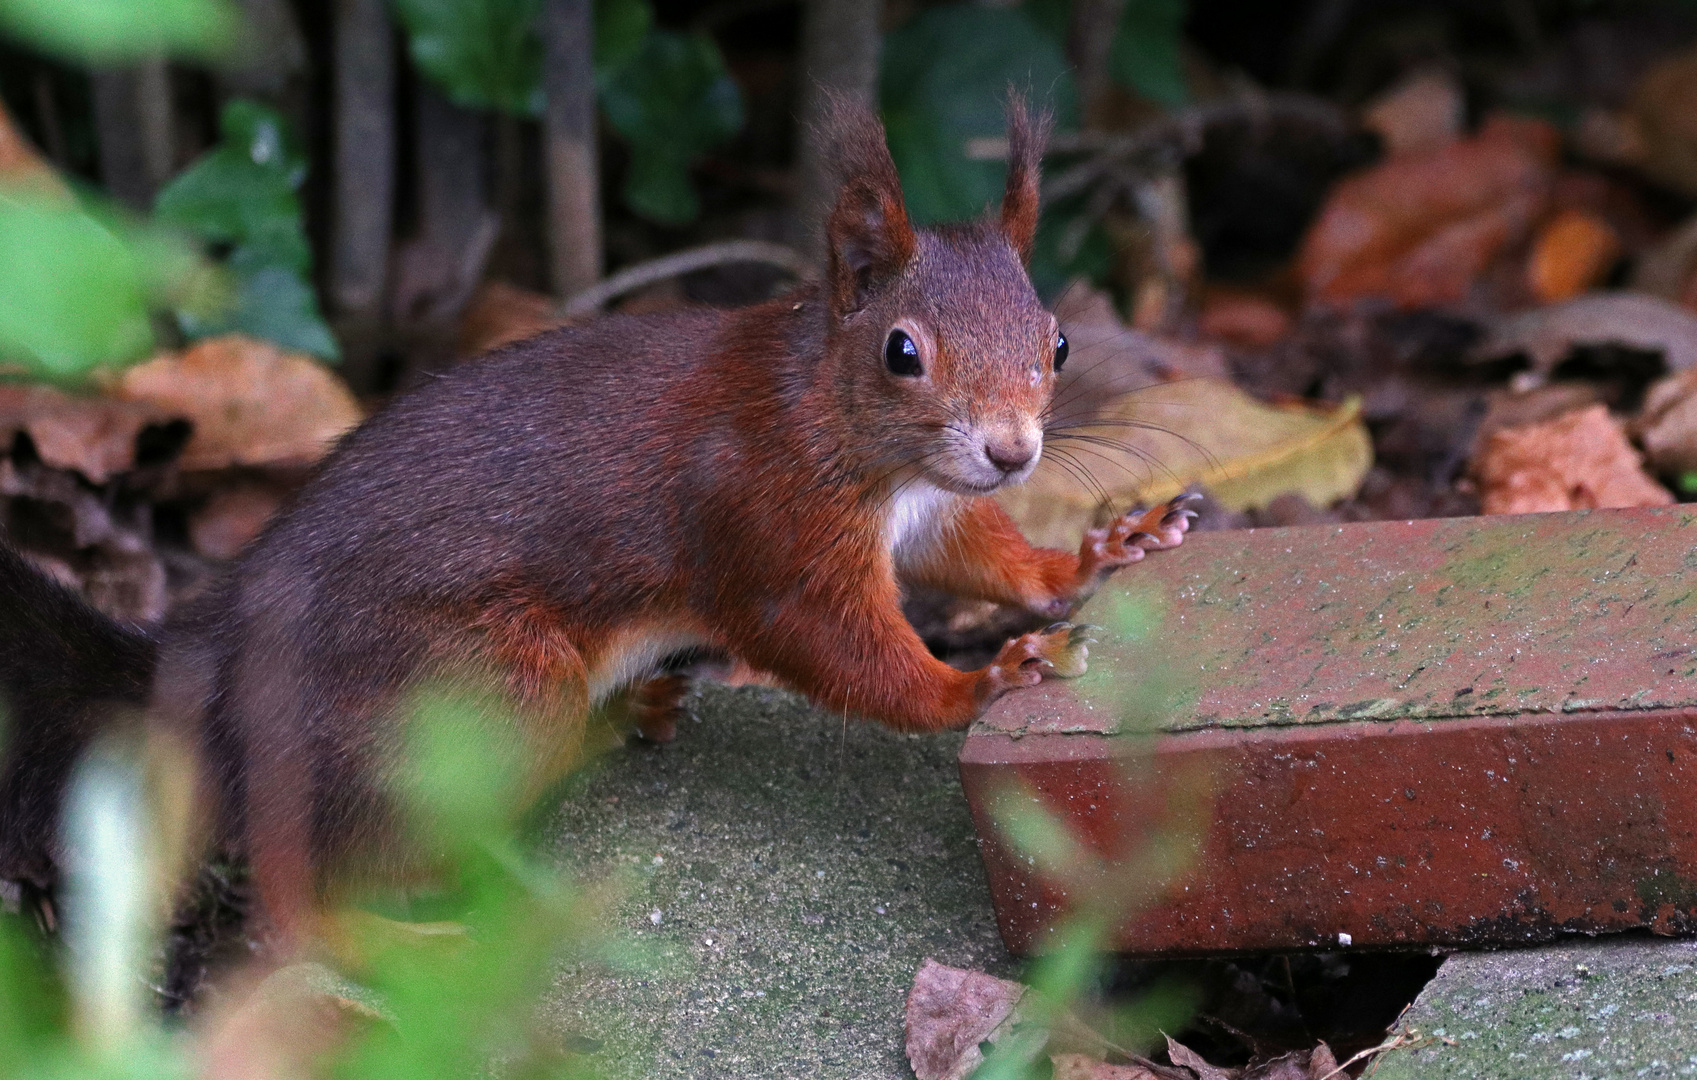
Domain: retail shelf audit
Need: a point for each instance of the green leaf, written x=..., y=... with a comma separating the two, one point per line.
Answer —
x=673, y=101
x=1145, y=55
x=104, y=31
x=73, y=294
x=944, y=79
x=621, y=26
x=485, y=54
x=271, y=303
x=242, y=193
x=242, y=196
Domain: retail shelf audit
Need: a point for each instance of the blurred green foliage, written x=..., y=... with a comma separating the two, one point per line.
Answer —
x=73, y=293
x=241, y=198
x=672, y=100
x=104, y=31
x=666, y=93
x=1146, y=55
x=433, y=1004
x=944, y=80
x=483, y=53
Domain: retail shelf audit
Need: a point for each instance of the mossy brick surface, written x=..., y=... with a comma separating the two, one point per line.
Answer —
x=1466, y=732
x=1598, y=1010
x=801, y=868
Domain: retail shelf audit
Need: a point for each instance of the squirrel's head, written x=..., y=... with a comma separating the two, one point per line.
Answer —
x=944, y=354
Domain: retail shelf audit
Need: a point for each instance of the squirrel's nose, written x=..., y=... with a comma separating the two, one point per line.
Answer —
x=1010, y=454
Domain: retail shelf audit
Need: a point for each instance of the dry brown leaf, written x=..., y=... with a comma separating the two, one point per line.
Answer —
x=250, y=402
x=1665, y=269
x=1420, y=229
x=1548, y=334
x=1572, y=252
x=1578, y=461
x=1084, y=1067
x=1292, y=1066
x=1244, y=451
x=1667, y=424
x=1244, y=319
x=1511, y=409
x=1322, y=1063
x=500, y=314
x=950, y=1011
x=1196, y=1063
x=1418, y=115
x=92, y=434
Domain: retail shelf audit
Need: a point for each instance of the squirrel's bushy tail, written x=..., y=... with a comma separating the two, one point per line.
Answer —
x=66, y=671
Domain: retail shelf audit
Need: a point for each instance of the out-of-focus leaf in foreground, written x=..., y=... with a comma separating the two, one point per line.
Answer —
x=470, y=996
x=72, y=294
x=76, y=285
x=112, y=30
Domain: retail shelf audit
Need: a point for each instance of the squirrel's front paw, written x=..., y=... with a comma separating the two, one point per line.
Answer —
x=1132, y=536
x=1058, y=651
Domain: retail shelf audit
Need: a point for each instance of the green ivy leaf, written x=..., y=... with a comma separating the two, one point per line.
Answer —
x=242, y=193
x=484, y=53
x=241, y=196
x=1145, y=55
x=943, y=81
x=104, y=31
x=73, y=294
x=673, y=101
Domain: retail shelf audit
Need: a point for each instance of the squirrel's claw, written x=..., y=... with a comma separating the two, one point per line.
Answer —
x=1134, y=534
x=1058, y=651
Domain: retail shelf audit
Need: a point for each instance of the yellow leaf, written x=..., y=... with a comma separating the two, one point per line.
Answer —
x=1150, y=445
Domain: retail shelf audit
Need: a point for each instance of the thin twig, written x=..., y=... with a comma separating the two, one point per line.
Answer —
x=1399, y=1040
x=684, y=262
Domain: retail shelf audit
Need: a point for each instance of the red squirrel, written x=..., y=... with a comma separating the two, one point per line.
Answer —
x=566, y=512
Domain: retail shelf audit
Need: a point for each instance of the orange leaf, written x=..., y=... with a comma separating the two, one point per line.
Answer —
x=1573, y=252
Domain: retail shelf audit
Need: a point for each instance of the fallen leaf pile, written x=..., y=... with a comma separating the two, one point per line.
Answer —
x=1421, y=228
x=219, y=433
x=954, y=1014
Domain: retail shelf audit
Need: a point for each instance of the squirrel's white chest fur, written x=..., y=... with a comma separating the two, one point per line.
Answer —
x=916, y=516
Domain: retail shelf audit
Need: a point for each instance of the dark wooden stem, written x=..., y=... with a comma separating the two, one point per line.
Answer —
x=839, y=55
x=574, y=176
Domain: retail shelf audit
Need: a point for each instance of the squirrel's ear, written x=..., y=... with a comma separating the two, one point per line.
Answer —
x=1026, y=138
x=867, y=233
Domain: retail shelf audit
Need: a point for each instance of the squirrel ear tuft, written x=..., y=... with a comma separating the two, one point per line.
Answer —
x=868, y=234
x=1027, y=135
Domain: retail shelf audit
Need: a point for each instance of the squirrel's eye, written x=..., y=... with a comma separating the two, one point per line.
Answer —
x=901, y=355
x=1060, y=351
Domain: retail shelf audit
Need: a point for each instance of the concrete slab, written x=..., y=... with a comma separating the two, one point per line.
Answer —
x=789, y=872
x=1589, y=1011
